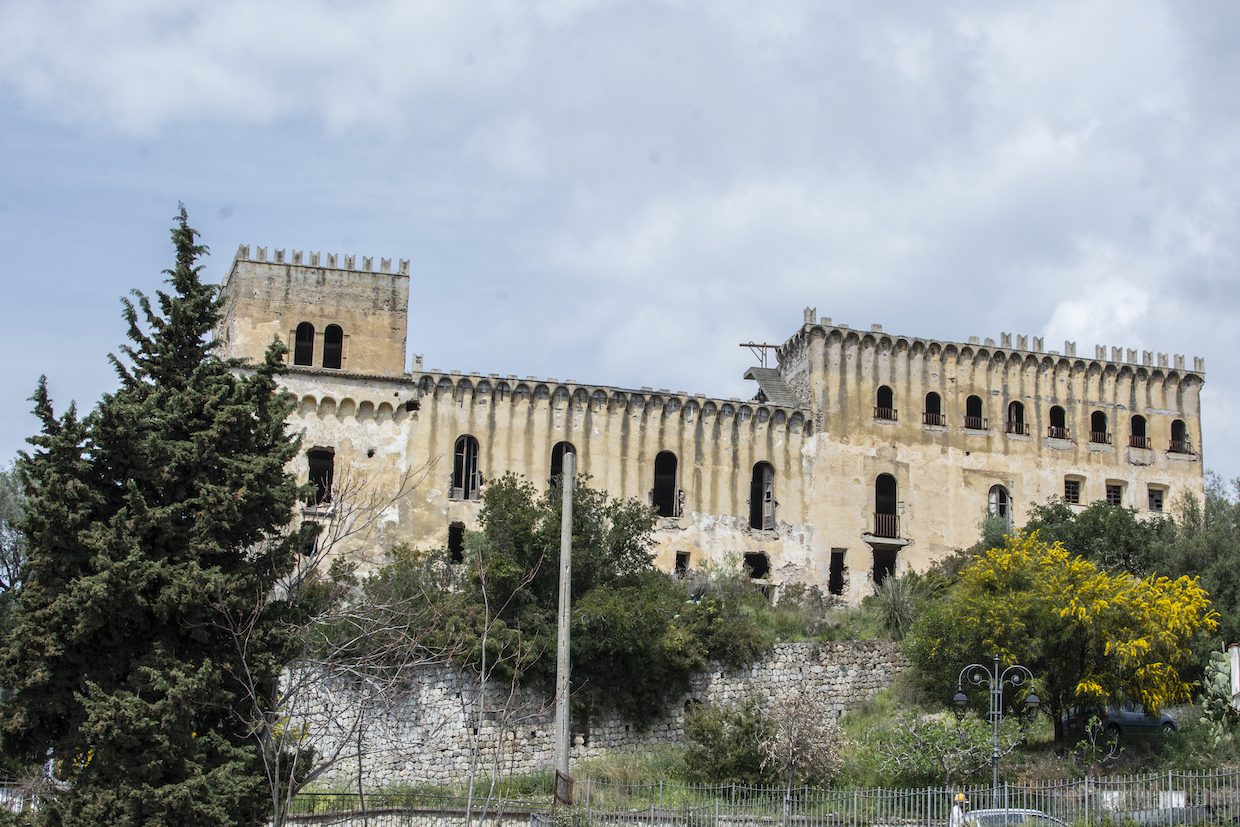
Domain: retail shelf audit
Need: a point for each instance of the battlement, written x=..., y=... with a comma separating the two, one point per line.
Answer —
x=1019, y=344
x=326, y=261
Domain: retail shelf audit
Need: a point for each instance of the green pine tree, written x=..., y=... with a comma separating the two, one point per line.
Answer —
x=152, y=525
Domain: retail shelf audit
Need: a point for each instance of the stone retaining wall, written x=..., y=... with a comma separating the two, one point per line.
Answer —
x=435, y=734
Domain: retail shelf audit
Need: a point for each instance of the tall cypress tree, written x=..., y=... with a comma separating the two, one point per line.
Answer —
x=152, y=524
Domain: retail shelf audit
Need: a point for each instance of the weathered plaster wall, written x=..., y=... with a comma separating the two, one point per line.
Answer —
x=429, y=737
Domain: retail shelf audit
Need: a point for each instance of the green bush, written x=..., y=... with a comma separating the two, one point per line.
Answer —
x=724, y=744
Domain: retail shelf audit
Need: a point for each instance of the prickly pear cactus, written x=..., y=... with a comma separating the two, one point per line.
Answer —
x=1216, y=705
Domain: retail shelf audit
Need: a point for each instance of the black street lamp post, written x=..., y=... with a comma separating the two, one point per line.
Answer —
x=977, y=674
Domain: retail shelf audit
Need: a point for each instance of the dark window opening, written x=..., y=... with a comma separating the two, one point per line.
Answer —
x=303, y=344
x=837, y=574
x=1016, y=419
x=1098, y=428
x=333, y=346
x=762, y=497
x=1156, y=499
x=884, y=407
x=557, y=459
x=1179, y=438
x=466, y=478
x=934, y=410
x=1059, y=424
x=1072, y=491
x=884, y=565
x=663, y=496
x=308, y=538
x=322, y=471
x=1000, y=504
x=456, y=542
x=682, y=563
x=1137, y=437
x=1115, y=494
x=886, y=524
x=973, y=418
x=757, y=564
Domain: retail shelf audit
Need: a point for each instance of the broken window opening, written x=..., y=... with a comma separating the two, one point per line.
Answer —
x=886, y=524
x=308, y=537
x=973, y=419
x=1072, y=491
x=1000, y=504
x=757, y=565
x=1156, y=498
x=322, y=463
x=1016, y=419
x=682, y=563
x=333, y=346
x=557, y=459
x=934, y=410
x=838, y=573
x=884, y=407
x=1137, y=437
x=1179, y=438
x=456, y=542
x=1059, y=424
x=884, y=565
x=762, y=497
x=466, y=478
x=1098, y=428
x=1115, y=493
x=663, y=496
x=303, y=344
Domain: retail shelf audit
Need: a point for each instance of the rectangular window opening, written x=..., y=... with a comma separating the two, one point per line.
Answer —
x=1115, y=494
x=682, y=563
x=1072, y=491
x=1157, y=496
x=456, y=543
x=838, y=574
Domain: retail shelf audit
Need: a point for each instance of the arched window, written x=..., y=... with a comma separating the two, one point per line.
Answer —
x=663, y=495
x=333, y=346
x=886, y=524
x=1137, y=437
x=762, y=497
x=322, y=471
x=1000, y=504
x=1179, y=438
x=1059, y=424
x=466, y=478
x=303, y=344
x=973, y=418
x=1098, y=428
x=934, y=410
x=885, y=407
x=557, y=459
x=1016, y=418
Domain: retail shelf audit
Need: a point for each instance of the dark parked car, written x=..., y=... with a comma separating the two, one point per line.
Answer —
x=1120, y=718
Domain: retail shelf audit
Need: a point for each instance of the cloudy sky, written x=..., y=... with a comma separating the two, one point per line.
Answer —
x=620, y=192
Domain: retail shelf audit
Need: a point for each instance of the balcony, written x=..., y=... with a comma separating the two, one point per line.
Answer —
x=1135, y=441
x=885, y=413
x=1055, y=432
x=976, y=423
x=1179, y=446
x=886, y=525
x=1100, y=437
x=933, y=419
x=1020, y=428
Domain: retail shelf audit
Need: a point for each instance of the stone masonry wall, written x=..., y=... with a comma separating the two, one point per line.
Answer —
x=431, y=736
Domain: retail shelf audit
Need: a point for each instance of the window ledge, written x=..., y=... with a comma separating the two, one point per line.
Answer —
x=1140, y=456
x=316, y=511
x=1101, y=448
x=1059, y=444
x=941, y=428
x=975, y=431
x=1019, y=437
x=1176, y=456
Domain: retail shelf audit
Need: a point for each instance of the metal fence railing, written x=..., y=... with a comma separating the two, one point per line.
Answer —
x=1151, y=800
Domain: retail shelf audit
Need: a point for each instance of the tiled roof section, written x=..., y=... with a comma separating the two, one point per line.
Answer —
x=772, y=386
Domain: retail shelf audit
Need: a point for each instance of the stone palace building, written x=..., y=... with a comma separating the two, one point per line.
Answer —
x=861, y=453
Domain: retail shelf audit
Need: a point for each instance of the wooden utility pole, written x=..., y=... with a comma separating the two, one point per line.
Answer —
x=563, y=666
